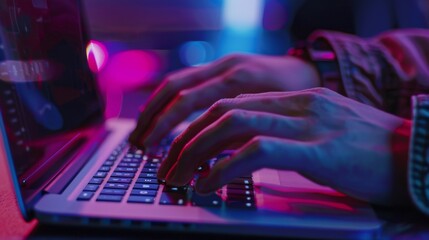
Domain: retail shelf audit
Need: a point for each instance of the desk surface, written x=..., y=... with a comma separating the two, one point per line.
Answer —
x=400, y=223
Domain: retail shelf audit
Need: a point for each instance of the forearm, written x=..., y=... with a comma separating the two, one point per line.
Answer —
x=383, y=72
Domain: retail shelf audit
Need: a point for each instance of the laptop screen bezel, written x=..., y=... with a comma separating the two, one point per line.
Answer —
x=26, y=205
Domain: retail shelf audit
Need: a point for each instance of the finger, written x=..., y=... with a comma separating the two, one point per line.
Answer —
x=235, y=126
x=258, y=153
x=162, y=95
x=318, y=90
x=172, y=85
x=183, y=105
x=256, y=102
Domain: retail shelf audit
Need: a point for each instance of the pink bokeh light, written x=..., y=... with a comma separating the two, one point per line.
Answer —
x=129, y=69
x=97, y=55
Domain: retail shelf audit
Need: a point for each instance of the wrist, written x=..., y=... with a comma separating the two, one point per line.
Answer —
x=320, y=54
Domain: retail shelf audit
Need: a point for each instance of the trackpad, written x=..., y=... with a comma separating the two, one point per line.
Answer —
x=290, y=192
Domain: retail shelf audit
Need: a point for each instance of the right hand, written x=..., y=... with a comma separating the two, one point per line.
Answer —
x=326, y=137
x=186, y=91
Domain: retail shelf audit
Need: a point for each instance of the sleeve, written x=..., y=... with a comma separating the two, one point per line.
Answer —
x=383, y=72
x=390, y=72
x=418, y=166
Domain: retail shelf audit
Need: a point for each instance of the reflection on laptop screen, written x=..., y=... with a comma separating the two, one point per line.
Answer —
x=46, y=90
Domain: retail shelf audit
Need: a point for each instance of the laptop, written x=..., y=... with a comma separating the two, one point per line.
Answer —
x=70, y=166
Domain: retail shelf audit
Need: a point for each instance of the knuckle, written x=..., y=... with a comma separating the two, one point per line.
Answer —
x=312, y=97
x=322, y=91
x=170, y=83
x=257, y=142
x=237, y=75
x=183, y=102
x=235, y=58
x=182, y=96
x=221, y=105
x=261, y=145
x=240, y=71
x=233, y=117
x=243, y=95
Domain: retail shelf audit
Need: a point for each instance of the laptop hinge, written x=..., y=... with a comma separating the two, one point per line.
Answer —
x=68, y=172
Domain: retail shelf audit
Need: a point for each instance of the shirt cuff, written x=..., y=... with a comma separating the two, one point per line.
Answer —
x=320, y=53
x=418, y=166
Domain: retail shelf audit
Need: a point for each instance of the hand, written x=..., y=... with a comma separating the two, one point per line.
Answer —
x=332, y=140
x=196, y=88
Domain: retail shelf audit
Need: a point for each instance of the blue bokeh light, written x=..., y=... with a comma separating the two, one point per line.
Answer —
x=195, y=53
x=242, y=15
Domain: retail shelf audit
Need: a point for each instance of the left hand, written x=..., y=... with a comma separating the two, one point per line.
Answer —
x=335, y=141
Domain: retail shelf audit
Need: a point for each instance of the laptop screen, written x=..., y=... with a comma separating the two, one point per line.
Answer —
x=47, y=92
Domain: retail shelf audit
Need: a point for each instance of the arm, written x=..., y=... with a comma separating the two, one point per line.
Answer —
x=383, y=72
x=373, y=145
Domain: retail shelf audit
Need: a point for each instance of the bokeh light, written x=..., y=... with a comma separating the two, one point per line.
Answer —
x=129, y=69
x=242, y=15
x=195, y=53
x=97, y=55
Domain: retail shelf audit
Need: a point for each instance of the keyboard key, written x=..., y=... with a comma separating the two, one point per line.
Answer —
x=239, y=192
x=126, y=169
x=128, y=164
x=104, y=169
x=151, y=165
x=100, y=175
x=147, y=180
x=85, y=196
x=146, y=186
x=119, y=180
x=183, y=189
x=141, y=199
x=149, y=170
x=241, y=204
x=143, y=192
x=91, y=188
x=131, y=160
x=241, y=198
x=171, y=198
x=108, y=163
x=123, y=174
x=116, y=185
x=109, y=198
x=148, y=175
x=96, y=181
x=120, y=192
x=242, y=181
x=239, y=186
x=154, y=160
x=212, y=200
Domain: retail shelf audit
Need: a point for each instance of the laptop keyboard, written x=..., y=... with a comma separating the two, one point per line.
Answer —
x=132, y=178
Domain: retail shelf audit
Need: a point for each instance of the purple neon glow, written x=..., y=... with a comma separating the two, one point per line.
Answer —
x=97, y=55
x=276, y=17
